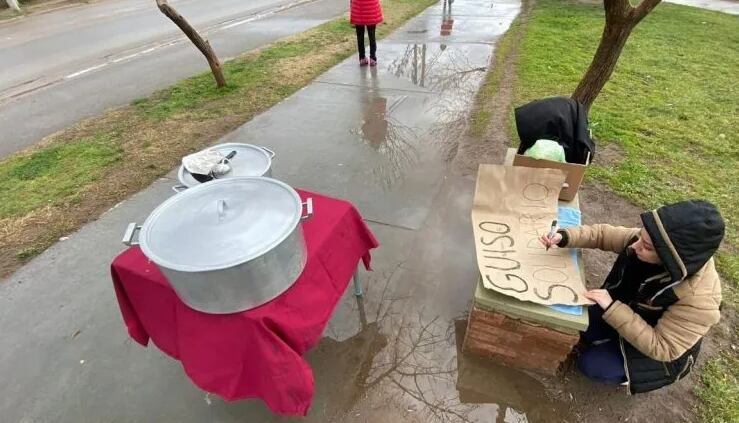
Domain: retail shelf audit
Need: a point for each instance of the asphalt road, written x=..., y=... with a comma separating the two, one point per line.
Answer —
x=60, y=67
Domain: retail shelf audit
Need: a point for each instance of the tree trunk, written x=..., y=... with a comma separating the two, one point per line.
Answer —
x=200, y=43
x=13, y=4
x=604, y=62
x=621, y=18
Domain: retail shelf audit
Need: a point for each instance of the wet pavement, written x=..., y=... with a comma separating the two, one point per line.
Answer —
x=382, y=138
x=724, y=6
x=392, y=128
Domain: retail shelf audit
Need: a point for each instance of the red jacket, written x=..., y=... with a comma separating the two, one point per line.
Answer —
x=366, y=12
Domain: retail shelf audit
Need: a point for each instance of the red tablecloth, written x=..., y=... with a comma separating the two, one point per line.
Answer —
x=256, y=353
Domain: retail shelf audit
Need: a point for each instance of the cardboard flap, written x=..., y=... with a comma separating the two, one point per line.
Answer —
x=575, y=173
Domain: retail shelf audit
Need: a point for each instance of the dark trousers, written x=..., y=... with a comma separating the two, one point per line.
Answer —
x=601, y=360
x=360, y=41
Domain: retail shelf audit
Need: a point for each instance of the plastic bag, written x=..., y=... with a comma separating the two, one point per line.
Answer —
x=546, y=150
x=202, y=162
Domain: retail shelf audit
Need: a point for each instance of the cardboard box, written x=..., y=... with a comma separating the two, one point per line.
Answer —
x=575, y=173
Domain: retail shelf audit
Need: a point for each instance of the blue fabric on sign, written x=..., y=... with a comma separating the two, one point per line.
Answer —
x=574, y=310
x=566, y=217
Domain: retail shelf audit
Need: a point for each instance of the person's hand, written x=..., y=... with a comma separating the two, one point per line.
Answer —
x=600, y=296
x=554, y=240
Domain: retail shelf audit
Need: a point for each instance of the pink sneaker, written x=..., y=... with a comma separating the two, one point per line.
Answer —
x=363, y=62
x=373, y=62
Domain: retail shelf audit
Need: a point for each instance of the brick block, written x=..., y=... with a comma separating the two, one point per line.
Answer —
x=516, y=343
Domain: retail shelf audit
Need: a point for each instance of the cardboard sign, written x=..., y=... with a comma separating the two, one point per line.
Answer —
x=513, y=207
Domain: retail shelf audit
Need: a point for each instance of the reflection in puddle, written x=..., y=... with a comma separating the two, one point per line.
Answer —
x=395, y=142
x=414, y=368
x=346, y=364
x=450, y=73
x=437, y=68
x=391, y=125
x=447, y=20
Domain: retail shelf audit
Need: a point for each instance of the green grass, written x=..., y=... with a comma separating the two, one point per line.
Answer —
x=28, y=253
x=47, y=176
x=720, y=390
x=672, y=105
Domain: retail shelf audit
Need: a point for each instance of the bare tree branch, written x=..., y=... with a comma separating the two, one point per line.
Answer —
x=643, y=9
x=200, y=43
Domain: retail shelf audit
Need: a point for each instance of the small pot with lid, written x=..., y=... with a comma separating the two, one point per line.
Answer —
x=228, y=245
x=247, y=160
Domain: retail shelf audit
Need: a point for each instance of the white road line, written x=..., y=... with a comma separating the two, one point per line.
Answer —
x=218, y=28
x=263, y=15
x=84, y=71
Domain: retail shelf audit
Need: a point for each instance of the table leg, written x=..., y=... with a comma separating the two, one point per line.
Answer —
x=357, y=284
x=362, y=313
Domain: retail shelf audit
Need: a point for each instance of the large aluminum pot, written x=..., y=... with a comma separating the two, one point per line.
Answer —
x=229, y=245
x=250, y=160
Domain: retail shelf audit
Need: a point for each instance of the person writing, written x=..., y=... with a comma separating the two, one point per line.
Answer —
x=366, y=14
x=659, y=299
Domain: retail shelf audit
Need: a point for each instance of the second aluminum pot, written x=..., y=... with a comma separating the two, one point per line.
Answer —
x=228, y=245
x=250, y=160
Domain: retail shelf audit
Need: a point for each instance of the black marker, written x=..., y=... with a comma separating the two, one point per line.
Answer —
x=552, y=231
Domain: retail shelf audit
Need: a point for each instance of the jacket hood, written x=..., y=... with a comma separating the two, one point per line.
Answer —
x=561, y=119
x=685, y=235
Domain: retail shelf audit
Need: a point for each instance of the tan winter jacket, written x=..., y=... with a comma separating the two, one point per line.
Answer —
x=682, y=324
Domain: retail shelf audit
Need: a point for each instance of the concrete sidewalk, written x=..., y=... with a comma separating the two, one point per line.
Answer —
x=382, y=138
x=724, y=6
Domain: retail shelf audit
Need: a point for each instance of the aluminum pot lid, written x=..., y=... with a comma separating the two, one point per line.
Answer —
x=249, y=160
x=220, y=224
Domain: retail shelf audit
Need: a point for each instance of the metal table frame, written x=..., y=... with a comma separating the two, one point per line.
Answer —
x=357, y=283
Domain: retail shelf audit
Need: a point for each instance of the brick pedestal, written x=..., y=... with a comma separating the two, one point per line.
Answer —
x=516, y=343
x=523, y=334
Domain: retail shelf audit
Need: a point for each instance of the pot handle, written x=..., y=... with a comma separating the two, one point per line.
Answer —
x=270, y=152
x=308, y=206
x=130, y=233
x=179, y=188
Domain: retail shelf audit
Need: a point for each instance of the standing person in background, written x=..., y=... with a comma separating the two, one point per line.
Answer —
x=366, y=13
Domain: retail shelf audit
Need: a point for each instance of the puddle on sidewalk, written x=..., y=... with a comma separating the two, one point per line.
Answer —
x=385, y=360
x=451, y=21
x=389, y=122
x=409, y=366
x=406, y=365
x=452, y=69
x=382, y=137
